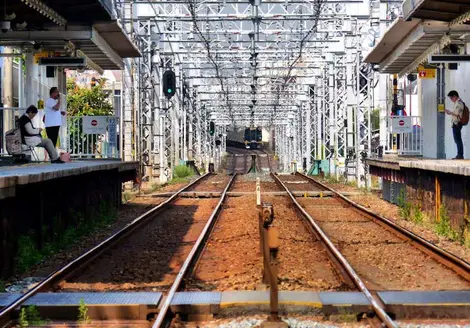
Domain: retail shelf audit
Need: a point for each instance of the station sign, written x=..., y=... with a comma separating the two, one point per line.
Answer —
x=45, y=54
x=401, y=124
x=94, y=125
x=426, y=73
x=39, y=55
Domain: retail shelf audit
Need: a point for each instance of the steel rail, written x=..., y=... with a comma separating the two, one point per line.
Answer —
x=457, y=264
x=190, y=258
x=373, y=299
x=79, y=261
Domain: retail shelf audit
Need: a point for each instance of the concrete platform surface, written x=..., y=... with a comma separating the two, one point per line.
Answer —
x=458, y=167
x=33, y=173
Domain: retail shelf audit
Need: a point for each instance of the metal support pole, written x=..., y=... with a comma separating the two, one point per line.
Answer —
x=270, y=245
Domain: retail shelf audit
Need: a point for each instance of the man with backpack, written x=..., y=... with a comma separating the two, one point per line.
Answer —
x=460, y=117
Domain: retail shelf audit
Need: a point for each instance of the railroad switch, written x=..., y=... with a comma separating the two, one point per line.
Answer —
x=269, y=244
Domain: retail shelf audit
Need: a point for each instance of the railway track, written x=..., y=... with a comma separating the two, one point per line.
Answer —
x=86, y=260
x=354, y=236
x=322, y=247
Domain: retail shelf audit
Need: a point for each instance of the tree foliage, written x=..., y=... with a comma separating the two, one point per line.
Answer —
x=87, y=101
x=375, y=119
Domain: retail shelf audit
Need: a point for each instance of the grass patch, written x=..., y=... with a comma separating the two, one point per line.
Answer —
x=413, y=213
x=182, y=171
x=2, y=286
x=127, y=196
x=153, y=187
x=29, y=254
x=404, y=207
x=344, y=316
x=444, y=228
x=178, y=180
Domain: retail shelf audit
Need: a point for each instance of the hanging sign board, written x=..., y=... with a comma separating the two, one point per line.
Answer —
x=94, y=125
x=426, y=73
x=112, y=131
x=401, y=124
x=38, y=55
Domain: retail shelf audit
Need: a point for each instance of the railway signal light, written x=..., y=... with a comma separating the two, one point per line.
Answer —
x=211, y=128
x=169, y=84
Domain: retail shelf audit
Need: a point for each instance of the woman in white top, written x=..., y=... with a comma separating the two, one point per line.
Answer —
x=53, y=119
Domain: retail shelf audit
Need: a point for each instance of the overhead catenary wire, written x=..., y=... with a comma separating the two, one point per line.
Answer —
x=206, y=43
x=318, y=5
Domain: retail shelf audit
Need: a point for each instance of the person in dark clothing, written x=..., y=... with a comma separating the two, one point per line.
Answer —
x=31, y=136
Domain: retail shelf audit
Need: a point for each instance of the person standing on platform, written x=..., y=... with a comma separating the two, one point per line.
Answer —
x=53, y=119
x=456, y=114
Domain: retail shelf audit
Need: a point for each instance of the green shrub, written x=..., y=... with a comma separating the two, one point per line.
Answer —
x=183, y=171
x=29, y=315
x=418, y=215
x=28, y=254
x=443, y=227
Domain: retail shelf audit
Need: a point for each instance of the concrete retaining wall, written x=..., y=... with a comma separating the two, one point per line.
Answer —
x=44, y=210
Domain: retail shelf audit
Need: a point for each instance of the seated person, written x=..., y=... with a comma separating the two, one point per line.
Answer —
x=31, y=136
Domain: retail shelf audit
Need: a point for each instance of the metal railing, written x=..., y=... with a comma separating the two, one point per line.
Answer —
x=72, y=137
x=91, y=145
x=404, y=136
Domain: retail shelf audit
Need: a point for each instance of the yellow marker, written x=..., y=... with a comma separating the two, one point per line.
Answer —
x=321, y=194
x=305, y=195
x=441, y=108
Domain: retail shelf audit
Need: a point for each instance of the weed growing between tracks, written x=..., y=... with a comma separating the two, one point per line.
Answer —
x=29, y=254
x=29, y=315
x=83, y=317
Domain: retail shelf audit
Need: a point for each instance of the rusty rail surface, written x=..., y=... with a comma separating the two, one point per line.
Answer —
x=375, y=301
x=80, y=261
x=458, y=265
x=191, y=257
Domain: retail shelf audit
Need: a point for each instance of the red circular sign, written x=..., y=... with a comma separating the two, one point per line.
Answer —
x=401, y=122
x=94, y=122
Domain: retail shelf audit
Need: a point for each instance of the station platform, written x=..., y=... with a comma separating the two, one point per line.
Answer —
x=41, y=201
x=449, y=166
x=435, y=185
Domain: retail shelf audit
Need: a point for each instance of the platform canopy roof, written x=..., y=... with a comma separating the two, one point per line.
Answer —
x=87, y=27
x=426, y=27
x=440, y=10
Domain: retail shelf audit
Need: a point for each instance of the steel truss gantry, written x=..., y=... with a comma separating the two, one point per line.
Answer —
x=294, y=67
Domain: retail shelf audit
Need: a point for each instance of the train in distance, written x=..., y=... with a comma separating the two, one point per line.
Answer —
x=253, y=138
